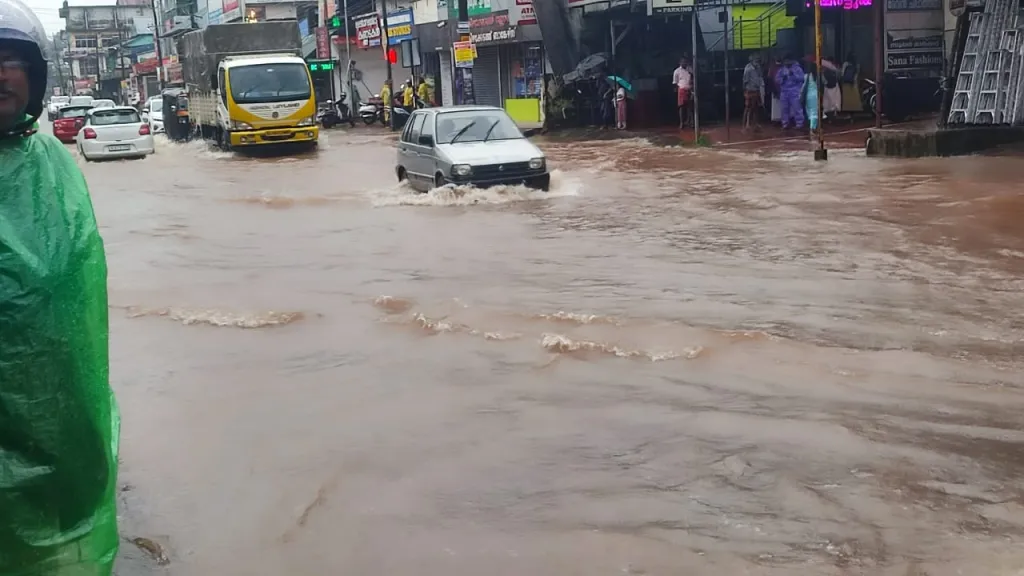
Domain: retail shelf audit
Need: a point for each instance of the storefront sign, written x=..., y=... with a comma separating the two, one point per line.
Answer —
x=912, y=5
x=913, y=60
x=668, y=6
x=844, y=4
x=323, y=44
x=493, y=21
x=400, y=25
x=367, y=30
x=494, y=28
x=914, y=40
x=464, y=53
x=526, y=14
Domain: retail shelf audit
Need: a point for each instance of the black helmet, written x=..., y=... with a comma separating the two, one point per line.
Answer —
x=21, y=31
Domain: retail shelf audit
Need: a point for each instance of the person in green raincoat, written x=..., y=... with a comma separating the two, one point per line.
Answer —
x=58, y=419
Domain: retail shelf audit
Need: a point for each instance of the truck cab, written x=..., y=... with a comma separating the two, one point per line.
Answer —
x=264, y=99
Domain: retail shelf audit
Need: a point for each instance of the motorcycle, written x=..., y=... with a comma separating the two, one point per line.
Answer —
x=868, y=96
x=372, y=111
x=333, y=113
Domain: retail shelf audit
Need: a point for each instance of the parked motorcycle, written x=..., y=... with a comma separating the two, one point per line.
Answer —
x=372, y=110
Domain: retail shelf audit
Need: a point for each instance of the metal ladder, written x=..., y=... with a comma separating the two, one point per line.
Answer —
x=1008, y=69
x=983, y=70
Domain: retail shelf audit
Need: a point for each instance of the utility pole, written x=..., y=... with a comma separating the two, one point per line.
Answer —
x=156, y=42
x=879, y=67
x=820, y=153
x=468, y=94
x=349, y=87
x=386, y=43
x=693, y=76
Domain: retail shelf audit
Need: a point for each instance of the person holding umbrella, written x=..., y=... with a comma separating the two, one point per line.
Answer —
x=619, y=100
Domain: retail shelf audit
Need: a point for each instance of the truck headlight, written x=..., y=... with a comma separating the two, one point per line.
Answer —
x=536, y=163
x=236, y=125
x=462, y=169
x=308, y=121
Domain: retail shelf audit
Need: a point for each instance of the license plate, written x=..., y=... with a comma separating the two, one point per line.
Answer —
x=118, y=148
x=279, y=133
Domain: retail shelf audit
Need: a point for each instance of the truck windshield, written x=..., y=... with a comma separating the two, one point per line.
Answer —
x=269, y=83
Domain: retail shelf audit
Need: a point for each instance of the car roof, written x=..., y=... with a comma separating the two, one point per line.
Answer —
x=465, y=108
x=113, y=109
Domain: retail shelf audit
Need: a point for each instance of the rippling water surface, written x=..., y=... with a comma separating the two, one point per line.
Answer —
x=676, y=362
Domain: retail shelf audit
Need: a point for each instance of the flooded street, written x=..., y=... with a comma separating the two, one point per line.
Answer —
x=676, y=362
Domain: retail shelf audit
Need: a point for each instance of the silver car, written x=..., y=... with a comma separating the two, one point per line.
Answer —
x=478, y=145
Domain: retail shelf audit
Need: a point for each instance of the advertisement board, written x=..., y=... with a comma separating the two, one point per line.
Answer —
x=232, y=10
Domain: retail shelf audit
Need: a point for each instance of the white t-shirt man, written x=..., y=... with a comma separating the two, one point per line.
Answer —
x=682, y=78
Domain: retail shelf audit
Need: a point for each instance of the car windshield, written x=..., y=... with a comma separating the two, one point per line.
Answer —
x=103, y=104
x=111, y=117
x=80, y=100
x=156, y=106
x=76, y=112
x=475, y=126
x=59, y=100
x=269, y=83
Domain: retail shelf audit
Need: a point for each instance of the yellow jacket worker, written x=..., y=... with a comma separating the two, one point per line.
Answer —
x=408, y=96
x=423, y=93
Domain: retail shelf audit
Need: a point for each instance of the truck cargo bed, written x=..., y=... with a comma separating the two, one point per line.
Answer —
x=201, y=51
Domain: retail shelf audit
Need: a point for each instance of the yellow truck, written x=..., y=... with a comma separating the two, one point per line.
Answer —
x=248, y=86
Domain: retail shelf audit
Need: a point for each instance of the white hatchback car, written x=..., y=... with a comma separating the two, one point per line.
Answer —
x=117, y=132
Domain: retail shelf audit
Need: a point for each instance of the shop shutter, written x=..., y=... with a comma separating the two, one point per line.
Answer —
x=486, y=83
x=447, y=98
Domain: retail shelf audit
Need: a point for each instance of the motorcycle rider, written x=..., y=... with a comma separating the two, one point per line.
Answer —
x=58, y=418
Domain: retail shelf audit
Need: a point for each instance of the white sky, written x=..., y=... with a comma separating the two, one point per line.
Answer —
x=46, y=10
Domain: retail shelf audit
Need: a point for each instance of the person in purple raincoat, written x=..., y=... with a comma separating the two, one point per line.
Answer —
x=790, y=80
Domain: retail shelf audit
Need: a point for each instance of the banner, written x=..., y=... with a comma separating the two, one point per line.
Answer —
x=323, y=44
x=669, y=6
x=232, y=10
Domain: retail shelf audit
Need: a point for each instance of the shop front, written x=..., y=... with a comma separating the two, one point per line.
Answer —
x=508, y=70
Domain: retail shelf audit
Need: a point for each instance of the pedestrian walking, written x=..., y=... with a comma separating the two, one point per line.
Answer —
x=790, y=80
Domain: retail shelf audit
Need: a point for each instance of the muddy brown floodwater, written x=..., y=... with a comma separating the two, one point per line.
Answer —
x=677, y=362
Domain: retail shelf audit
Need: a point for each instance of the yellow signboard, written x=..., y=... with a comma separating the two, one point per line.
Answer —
x=399, y=30
x=465, y=53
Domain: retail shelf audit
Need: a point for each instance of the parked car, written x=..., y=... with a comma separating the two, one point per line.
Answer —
x=55, y=104
x=103, y=103
x=477, y=145
x=117, y=132
x=69, y=121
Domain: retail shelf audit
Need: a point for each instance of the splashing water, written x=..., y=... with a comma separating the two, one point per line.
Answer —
x=403, y=195
x=219, y=318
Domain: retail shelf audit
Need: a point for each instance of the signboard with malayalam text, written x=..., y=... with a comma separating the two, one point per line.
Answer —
x=367, y=31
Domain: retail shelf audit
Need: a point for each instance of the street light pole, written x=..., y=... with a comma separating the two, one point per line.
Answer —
x=386, y=43
x=820, y=153
x=468, y=93
x=156, y=42
x=348, y=65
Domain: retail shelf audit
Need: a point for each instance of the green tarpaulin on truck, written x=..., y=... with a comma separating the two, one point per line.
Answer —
x=58, y=420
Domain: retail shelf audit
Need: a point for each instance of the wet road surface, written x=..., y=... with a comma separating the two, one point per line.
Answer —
x=677, y=362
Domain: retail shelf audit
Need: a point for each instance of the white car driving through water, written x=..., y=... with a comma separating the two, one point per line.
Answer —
x=117, y=132
x=476, y=145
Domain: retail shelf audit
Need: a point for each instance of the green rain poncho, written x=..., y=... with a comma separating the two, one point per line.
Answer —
x=58, y=420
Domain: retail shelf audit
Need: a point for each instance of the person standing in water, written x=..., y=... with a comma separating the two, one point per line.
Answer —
x=753, y=90
x=682, y=82
x=790, y=81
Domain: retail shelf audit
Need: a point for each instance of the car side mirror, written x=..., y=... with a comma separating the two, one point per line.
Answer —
x=426, y=140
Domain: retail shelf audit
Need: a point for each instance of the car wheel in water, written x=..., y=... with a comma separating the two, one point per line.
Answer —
x=439, y=180
x=402, y=176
